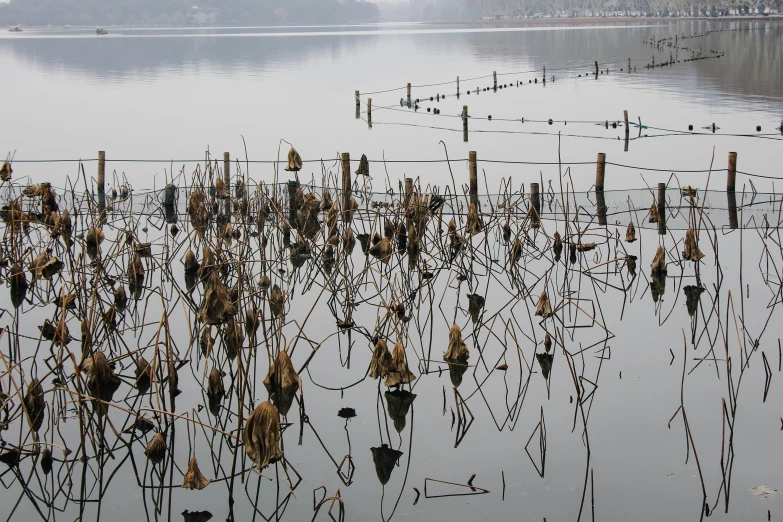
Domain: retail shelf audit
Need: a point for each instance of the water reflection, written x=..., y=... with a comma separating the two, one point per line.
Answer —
x=253, y=376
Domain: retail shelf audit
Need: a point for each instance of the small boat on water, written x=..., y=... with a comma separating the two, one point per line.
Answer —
x=101, y=30
x=15, y=29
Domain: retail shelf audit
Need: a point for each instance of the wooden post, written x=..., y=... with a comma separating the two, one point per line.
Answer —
x=600, y=203
x=662, y=208
x=625, y=117
x=346, y=162
x=732, y=174
x=535, y=199
x=473, y=168
x=101, y=180
x=457, y=86
x=293, y=186
x=494, y=80
x=227, y=181
x=629, y=65
x=369, y=112
x=545, y=73
x=358, y=104
x=653, y=61
x=465, y=123
x=596, y=68
x=732, y=200
x=600, y=169
x=409, y=95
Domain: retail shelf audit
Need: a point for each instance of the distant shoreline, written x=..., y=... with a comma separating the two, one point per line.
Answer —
x=611, y=20
x=583, y=21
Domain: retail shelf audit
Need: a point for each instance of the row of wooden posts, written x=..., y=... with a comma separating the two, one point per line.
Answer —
x=345, y=159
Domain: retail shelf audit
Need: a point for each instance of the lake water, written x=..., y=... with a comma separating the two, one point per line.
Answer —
x=662, y=393
x=173, y=94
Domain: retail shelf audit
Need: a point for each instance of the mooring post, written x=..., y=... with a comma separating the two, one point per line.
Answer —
x=629, y=65
x=535, y=199
x=494, y=80
x=662, y=208
x=293, y=186
x=409, y=95
x=369, y=113
x=600, y=169
x=596, y=68
x=731, y=179
x=625, y=117
x=473, y=178
x=465, y=123
x=101, y=180
x=358, y=104
x=346, y=162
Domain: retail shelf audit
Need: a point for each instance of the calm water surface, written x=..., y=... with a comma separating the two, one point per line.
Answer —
x=622, y=453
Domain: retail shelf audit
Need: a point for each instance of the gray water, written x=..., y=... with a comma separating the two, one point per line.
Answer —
x=170, y=94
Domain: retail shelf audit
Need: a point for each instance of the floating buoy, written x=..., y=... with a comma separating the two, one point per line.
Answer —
x=690, y=127
x=550, y=121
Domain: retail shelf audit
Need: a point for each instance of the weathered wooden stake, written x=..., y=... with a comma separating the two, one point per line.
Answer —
x=346, y=162
x=473, y=177
x=535, y=199
x=662, y=208
x=731, y=179
x=625, y=116
x=545, y=73
x=465, y=123
x=653, y=61
x=369, y=112
x=409, y=95
x=101, y=179
x=358, y=104
x=457, y=86
x=629, y=65
x=732, y=200
x=600, y=169
x=596, y=68
x=495, y=80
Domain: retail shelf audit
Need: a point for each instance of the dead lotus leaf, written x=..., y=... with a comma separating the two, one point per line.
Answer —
x=585, y=247
x=276, y=301
x=382, y=250
x=691, y=252
x=156, y=449
x=457, y=349
x=364, y=166
x=294, y=161
x=261, y=435
x=544, y=308
x=658, y=265
x=34, y=404
x=193, y=478
x=381, y=363
x=217, y=307
x=630, y=234
x=401, y=373
x=654, y=217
